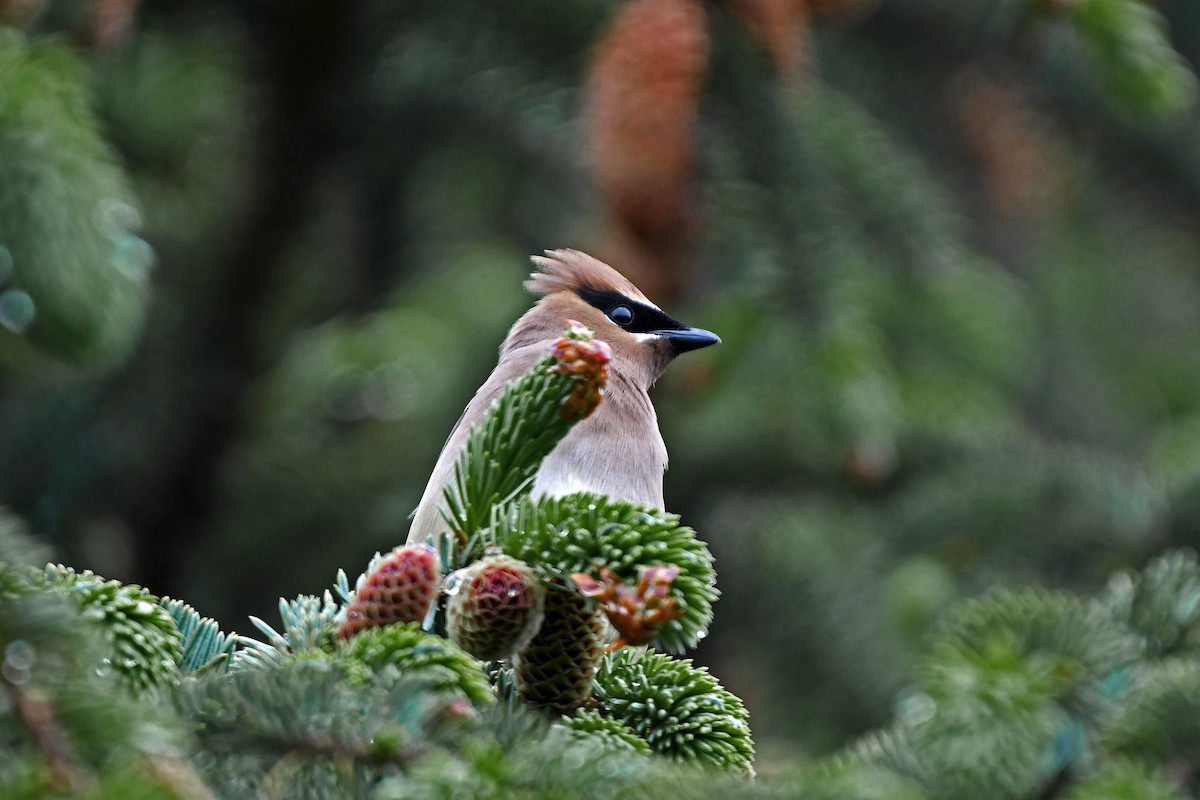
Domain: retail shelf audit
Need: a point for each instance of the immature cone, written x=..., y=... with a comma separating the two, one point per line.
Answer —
x=398, y=587
x=495, y=607
x=635, y=611
x=554, y=671
x=579, y=354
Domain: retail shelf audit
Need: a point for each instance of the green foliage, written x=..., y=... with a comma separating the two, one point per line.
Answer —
x=73, y=272
x=974, y=742
x=204, y=644
x=1027, y=692
x=850, y=232
x=1126, y=780
x=419, y=656
x=844, y=779
x=68, y=722
x=592, y=726
x=300, y=729
x=586, y=532
x=681, y=711
x=145, y=642
x=921, y=304
x=309, y=625
x=1159, y=720
x=1133, y=51
x=1020, y=492
x=505, y=449
x=1022, y=649
x=1161, y=604
x=514, y=754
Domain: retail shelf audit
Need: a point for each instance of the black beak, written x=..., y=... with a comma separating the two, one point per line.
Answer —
x=686, y=339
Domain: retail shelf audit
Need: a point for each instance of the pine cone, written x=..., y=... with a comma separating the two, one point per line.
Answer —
x=554, y=671
x=495, y=607
x=644, y=92
x=398, y=587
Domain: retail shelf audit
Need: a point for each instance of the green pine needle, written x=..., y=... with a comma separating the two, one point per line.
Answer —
x=506, y=447
x=67, y=719
x=681, y=711
x=1161, y=604
x=1023, y=647
x=420, y=656
x=842, y=778
x=146, y=644
x=205, y=646
x=1123, y=780
x=968, y=745
x=66, y=221
x=1133, y=50
x=586, y=532
x=309, y=625
x=888, y=748
x=1159, y=718
x=1126, y=780
x=602, y=731
x=511, y=753
x=301, y=729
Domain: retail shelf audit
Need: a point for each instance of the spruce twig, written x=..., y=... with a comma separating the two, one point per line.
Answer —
x=67, y=772
x=522, y=426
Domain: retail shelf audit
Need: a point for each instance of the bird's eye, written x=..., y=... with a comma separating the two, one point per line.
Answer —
x=622, y=315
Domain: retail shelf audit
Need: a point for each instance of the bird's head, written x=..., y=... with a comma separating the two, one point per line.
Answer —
x=573, y=285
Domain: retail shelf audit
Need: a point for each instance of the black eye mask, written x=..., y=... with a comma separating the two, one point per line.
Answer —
x=638, y=317
x=631, y=315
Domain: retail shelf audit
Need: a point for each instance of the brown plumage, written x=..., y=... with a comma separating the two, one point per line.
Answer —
x=571, y=270
x=618, y=450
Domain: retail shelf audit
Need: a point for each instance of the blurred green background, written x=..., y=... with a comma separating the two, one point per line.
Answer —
x=256, y=256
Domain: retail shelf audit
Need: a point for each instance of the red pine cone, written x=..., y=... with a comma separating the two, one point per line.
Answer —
x=398, y=587
x=495, y=607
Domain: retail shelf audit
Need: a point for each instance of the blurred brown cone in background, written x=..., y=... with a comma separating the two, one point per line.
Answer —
x=19, y=13
x=842, y=8
x=111, y=21
x=1020, y=166
x=644, y=92
x=781, y=26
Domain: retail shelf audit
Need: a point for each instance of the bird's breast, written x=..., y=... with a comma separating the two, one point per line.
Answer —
x=617, y=451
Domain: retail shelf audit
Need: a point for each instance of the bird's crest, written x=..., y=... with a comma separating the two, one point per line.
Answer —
x=571, y=271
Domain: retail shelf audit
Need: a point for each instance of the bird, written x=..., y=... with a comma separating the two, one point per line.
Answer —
x=618, y=450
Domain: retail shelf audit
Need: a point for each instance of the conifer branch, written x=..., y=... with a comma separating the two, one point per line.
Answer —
x=588, y=534
x=680, y=710
x=520, y=428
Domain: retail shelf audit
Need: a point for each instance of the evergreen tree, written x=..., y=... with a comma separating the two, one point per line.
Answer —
x=950, y=247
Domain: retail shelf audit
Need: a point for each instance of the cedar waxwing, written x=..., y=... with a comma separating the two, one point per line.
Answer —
x=618, y=450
